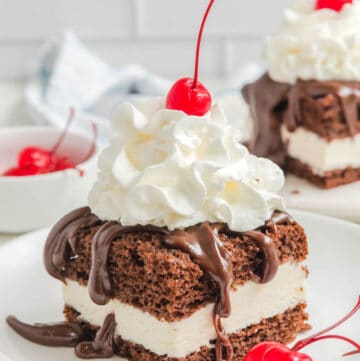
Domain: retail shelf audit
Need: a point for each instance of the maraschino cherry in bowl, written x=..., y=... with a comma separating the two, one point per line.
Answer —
x=36, y=191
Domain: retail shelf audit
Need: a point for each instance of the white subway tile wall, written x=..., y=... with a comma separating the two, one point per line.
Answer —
x=158, y=34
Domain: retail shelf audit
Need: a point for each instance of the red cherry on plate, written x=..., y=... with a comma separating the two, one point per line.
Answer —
x=273, y=351
x=193, y=100
x=34, y=156
x=336, y=5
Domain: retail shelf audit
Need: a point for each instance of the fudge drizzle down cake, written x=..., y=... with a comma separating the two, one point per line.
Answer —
x=306, y=108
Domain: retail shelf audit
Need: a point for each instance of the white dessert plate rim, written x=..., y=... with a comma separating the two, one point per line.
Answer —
x=334, y=246
x=341, y=202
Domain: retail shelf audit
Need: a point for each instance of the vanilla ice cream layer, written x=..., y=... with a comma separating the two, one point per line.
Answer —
x=251, y=303
x=318, y=153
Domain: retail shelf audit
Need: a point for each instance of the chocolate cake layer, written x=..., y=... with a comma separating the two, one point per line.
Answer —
x=330, y=109
x=281, y=328
x=166, y=282
x=324, y=116
x=330, y=179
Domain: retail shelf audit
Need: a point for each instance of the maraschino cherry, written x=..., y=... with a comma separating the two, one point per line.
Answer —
x=274, y=351
x=336, y=5
x=34, y=160
x=188, y=94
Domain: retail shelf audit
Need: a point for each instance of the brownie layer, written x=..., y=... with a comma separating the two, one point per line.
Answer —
x=281, y=328
x=165, y=282
x=329, y=179
x=321, y=107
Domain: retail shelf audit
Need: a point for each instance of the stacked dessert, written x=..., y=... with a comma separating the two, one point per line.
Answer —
x=306, y=108
x=185, y=252
x=194, y=231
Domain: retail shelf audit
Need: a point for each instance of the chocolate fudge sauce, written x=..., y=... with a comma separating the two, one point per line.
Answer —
x=103, y=345
x=271, y=261
x=273, y=104
x=99, y=285
x=203, y=244
x=63, y=334
x=223, y=344
x=348, y=94
x=267, y=100
x=62, y=237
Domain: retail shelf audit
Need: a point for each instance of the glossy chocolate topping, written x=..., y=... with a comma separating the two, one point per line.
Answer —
x=62, y=237
x=281, y=218
x=63, y=334
x=99, y=285
x=348, y=94
x=273, y=104
x=267, y=100
x=203, y=245
x=223, y=344
x=103, y=345
x=270, y=264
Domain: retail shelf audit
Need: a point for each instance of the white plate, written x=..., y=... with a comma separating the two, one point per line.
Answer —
x=28, y=292
x=341, y=202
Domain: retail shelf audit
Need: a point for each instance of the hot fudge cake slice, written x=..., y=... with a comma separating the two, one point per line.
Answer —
x=164, y=298
x=186, y=252
x=306, y=107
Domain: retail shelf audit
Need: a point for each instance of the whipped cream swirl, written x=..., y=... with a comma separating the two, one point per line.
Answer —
x=166, y=168
x=316, y=44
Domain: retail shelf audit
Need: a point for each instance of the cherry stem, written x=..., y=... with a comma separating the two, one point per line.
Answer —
x=325, y=337
x=351, y=353
x=64, y=132
x=307, y=341
x=198, y=45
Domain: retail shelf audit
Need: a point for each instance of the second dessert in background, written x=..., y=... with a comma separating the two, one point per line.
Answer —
x=306, y=108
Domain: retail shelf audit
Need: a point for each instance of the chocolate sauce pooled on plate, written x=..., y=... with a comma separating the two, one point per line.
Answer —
x=103, y=345
x=62, y=237
x=62, y=334
x=99, y=285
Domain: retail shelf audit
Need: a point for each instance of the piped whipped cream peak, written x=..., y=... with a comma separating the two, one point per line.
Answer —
x=316, y=44
x=166, y=168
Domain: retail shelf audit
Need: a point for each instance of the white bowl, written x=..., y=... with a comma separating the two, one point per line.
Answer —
x=32, y=202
